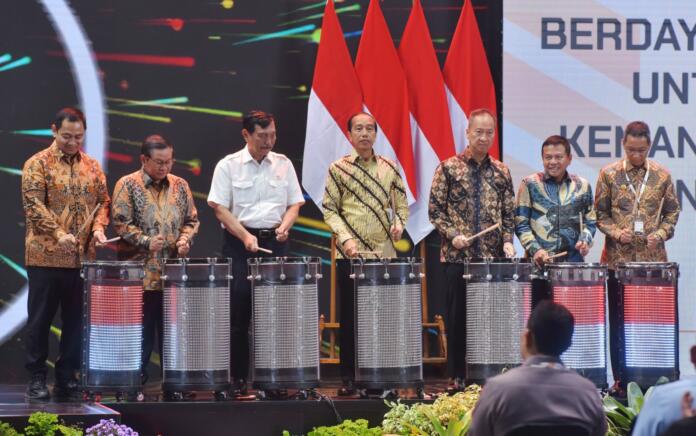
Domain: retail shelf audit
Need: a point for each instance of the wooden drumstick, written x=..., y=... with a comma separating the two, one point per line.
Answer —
x=89, y=219
x=264, y=250
x=117, y=238
x=581, y=223
x=659, y=212
x=482, y=232
x=562, y=253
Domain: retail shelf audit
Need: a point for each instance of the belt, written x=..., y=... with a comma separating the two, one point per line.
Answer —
x=262, y=233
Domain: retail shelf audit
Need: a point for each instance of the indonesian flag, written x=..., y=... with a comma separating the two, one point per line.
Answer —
x=430, y=123
x=334, y=97
x=468, y=77
x=385, y=94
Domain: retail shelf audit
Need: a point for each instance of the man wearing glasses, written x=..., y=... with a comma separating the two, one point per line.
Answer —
x=637, y=210
x=154, y=214
x=470, y=193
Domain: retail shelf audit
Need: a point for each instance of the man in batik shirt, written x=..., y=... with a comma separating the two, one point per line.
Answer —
x=357, y=200
x=154, y=214
x=555, y=212
x=66, y=204
x=637, y=210
x=470, y=193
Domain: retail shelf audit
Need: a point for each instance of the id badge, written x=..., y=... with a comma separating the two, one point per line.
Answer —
x=638, y=227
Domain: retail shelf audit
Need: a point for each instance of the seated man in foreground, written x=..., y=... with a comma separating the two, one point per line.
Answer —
x=542, y=391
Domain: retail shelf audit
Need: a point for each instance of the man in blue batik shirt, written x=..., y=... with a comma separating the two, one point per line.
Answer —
x=555, y=209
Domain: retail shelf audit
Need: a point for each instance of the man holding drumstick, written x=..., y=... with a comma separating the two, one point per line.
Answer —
x=555, y=217
x=360, y=189
x=256, y=197
x=472, y=206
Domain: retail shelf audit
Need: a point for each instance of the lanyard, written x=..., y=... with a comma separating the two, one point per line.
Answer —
x=642, y=185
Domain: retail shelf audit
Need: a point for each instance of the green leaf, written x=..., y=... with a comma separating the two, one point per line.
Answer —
x=635, y=395
x=619, y=420
x=661, y=381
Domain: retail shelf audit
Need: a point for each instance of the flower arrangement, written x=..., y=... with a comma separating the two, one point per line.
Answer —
x=110, y=428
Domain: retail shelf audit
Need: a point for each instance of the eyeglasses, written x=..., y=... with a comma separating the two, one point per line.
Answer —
x=162, y=163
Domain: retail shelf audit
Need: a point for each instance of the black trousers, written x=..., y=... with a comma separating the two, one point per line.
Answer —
x=617, y=349
x=240, y=294
x=50, y=288
x=346, y=291
x=455, y=320
x=152, y=327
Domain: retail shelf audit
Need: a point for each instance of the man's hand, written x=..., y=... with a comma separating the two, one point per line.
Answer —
x=281, y=234
x=156, y=243
x=583, y=247
x=509, y=249
x=653, y=241
x=541, y=257
x=460, y=242
x=67, y=242
x=395, y=231
x=182, y=246
x=626, y=236
x=350, y=248
x=251, y=243
x=100, y=237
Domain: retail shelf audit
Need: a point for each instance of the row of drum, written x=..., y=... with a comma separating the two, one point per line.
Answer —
x=388, y=320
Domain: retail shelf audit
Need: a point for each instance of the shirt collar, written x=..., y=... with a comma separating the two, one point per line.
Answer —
x=149, y=181
x=547, y=178
x=469, y=157
x=247, y=157
x=58, y=153
x=630, y=167
x=354, y=156
x=539, y=359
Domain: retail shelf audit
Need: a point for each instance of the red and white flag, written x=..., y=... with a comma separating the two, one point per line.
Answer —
x=430, y=123
x=334, y=97
x=468, y=77
x=385, y=94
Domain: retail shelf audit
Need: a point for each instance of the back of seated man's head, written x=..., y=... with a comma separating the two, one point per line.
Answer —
x=549, y=330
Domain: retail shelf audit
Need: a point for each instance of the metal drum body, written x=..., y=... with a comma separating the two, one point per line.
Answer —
x=196, y=305
x=285, y=322
x=580, y=287
x=388, y=325
x=650, y=320
x=498, y=303
x=112, y=326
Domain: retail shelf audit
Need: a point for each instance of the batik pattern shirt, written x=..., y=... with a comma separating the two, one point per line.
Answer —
x=615, y=201
x=357, y=203
x=59, y=194
x=141, y=211
x=548, y=214
x=467, y=197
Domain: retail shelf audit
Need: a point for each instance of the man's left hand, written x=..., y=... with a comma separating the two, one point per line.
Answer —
x=100, y=237
x=653, y=241
x=395, y=231
x=509, y=249
x=281, y=234
x=182, y=247
x=583, y=247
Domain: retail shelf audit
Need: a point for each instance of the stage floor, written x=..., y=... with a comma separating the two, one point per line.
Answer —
x=202, y=415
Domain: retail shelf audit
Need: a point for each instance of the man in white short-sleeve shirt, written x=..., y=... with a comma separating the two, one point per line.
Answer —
x=256, y=196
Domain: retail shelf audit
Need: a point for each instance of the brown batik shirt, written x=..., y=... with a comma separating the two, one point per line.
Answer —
x=59, y=194
x=143, y=209
x=615, y=202
x=467, y=197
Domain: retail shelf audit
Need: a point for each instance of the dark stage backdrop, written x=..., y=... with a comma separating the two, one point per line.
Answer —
x=198, y=65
